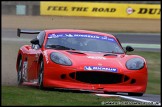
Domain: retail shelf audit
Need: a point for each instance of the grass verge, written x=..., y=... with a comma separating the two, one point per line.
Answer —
x=14, y=95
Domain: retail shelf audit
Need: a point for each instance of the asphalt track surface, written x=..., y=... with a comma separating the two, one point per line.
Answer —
x=144, y=38
x=151, y=38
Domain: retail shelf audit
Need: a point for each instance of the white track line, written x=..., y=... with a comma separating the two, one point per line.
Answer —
x=138, y=45
x=130, y=98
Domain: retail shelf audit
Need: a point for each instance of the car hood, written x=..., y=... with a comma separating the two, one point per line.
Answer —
x=87, y=59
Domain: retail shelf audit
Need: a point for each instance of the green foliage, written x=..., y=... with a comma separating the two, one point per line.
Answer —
x=13, y=95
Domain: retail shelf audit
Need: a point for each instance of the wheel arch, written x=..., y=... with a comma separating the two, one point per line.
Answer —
x=39, y=71
x=22, y=53
x=39, y=61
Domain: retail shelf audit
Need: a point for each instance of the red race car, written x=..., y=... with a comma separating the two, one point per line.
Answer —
x=80, y=60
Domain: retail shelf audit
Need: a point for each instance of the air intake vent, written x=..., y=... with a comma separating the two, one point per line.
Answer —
x=97, y=77
x=72, y=75
x=126, y=78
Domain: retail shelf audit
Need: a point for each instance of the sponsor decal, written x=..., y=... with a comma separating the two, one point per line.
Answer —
x=144, y=11
x=91, y=9
x=130, y=10
x=151, y=11
x=99, y=68
x=103, y=9
x=99, y=64
x=96, y=57
x=80, y=35
x=46, y=56
x=54, y=35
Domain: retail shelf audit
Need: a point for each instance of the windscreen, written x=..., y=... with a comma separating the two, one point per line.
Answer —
x=83, y=42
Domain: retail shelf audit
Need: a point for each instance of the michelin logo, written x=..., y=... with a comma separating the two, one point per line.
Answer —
x=98, y=68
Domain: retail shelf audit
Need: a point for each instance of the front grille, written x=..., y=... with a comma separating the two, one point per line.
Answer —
x=97, y=77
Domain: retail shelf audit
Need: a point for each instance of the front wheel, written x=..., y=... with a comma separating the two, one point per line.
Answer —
x=41, y=73
x=19, y=73
x=135, y=94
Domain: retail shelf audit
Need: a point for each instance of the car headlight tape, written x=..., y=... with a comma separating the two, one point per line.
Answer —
x=135, y=64
x=60, y=59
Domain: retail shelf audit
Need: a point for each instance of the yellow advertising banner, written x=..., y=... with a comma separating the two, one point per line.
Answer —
x=112, y=10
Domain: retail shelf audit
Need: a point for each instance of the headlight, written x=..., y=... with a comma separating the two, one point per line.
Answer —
x=135, y=64
x=60, y=59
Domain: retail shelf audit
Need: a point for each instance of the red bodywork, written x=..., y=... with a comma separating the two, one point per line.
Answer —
x=75, y=77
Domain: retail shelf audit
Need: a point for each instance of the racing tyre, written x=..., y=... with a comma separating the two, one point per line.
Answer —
x=19, y=73
x=41, y=73
x=135, y=94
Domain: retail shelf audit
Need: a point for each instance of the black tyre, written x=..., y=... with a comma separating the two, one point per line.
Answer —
x=135, y=94
x=41, y=73
x=19, y=72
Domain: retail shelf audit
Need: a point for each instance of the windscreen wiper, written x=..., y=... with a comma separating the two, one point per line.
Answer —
x=60, y=47
x=111, y=53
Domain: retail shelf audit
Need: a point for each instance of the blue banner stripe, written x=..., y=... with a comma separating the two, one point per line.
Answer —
x=99, y=68
x=81, y=35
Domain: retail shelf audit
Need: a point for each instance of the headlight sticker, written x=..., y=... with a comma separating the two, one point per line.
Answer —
x=99, y=68
x=135, y=64
x=60, y=59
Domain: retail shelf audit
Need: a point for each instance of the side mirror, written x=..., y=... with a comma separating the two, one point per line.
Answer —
x=129, y=49
x=35, y=41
